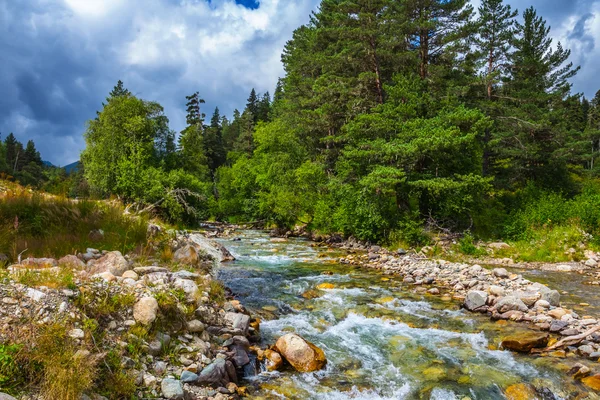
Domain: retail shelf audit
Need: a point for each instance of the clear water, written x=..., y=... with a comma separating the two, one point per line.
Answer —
x=382, y=340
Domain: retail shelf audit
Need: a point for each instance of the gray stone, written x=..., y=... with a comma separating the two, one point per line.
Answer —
x=475, y=299
x=4, y=396
x=238, y=321
x=188, y=377
x=595, y=354
x=215, y=374
x=585, y=350
x=160, y=367
x=154, y=348
x=500, y=273
x=510, y=303
x=558, y=326
x=529, y=298
x=171, y=389
x=188, y=286
x=195, y=326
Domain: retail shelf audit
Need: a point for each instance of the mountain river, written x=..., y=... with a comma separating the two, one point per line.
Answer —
x=382, y=340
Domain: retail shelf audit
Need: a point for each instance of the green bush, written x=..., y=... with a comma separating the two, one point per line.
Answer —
x=10, y=374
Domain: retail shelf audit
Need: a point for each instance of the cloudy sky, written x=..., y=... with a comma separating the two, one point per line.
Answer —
x=60, y=58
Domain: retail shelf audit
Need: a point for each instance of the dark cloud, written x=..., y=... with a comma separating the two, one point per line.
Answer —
x=60, y=58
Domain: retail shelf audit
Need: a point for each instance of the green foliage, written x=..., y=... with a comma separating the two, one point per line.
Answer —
x=11, y=377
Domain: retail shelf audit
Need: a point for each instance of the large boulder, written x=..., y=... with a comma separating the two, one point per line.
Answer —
x=145, y=310
x=475, y=299
x=112, y=262
x=187, y=255
x=39, y=262
x=524, y=342
x=4, y=396
x=214, y=249
x=510, y=303
x=301, y=354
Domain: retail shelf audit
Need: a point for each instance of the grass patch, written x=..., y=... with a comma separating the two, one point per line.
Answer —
x=101, y=303
x=62, y=278
x=217, y=291
x=51, y=226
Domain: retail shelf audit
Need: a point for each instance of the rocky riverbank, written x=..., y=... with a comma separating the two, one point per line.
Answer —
x=127, y=325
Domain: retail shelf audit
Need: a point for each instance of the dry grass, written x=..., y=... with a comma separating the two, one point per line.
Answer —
x=50, y=226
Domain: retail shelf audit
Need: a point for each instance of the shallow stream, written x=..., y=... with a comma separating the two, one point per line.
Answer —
x=382, y=340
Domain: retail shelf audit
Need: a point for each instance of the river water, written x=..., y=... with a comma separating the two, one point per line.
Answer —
x=382, y=340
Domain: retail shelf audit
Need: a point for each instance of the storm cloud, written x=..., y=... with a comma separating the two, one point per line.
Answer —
x=60, y=58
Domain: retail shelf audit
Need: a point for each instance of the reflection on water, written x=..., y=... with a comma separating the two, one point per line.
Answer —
x=382, y=340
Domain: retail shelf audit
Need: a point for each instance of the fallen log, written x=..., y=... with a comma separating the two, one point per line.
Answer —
x=568, y=341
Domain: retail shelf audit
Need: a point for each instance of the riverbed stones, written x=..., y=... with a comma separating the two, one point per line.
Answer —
x=172, y=389
x=475, y=299
x=496, y=290
x=520, y=391
x=524, y=342
x=188, y=377
x=112, y=262
x=301, y=354
x=145, y=310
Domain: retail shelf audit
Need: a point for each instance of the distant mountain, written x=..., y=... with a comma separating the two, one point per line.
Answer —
x=48, y=164
x=74, y=167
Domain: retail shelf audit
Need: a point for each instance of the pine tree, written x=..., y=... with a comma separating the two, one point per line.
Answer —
x=533, y=135
x=14, y=153
x=496, y=29
x=213, y=143
x=264, y=107
x=194, y=115
x=433, y=26
x=31, y=155
x=252, y=105
x=118, y=91
x=191, y=147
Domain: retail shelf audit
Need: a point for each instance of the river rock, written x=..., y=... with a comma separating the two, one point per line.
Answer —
x=510, y=303
x=273, y=360
x=4, y=396
x=496, y=290
x=171, y=389
x=130, y=275
x=592, y=381
x=475, y=299
x=520, y=391
x=524, y=342
x=145, y=310
x=500, y=273
x=591, y=263
x=216, y=374
x=112, y=262
x=557, y=326
x=585, y=350
x=498, y=246
x=238, y=321
x=301, y=354
x=557, y=313
x=529, y=298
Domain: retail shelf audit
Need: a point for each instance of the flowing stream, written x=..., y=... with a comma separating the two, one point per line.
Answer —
x=381, y=339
